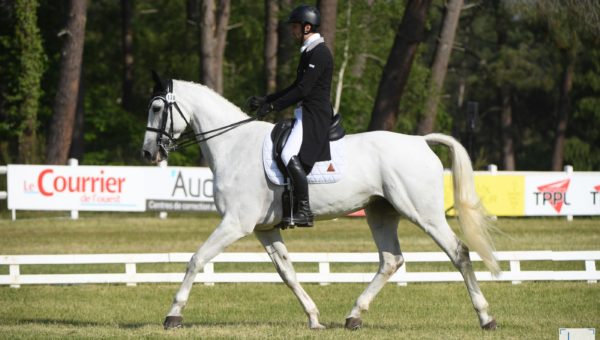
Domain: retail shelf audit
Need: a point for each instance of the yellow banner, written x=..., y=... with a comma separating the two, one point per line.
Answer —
x=501, y=195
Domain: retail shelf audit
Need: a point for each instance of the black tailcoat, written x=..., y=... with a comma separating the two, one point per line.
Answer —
x=312, y=87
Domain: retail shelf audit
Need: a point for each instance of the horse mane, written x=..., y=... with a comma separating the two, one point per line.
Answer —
x=214, y=95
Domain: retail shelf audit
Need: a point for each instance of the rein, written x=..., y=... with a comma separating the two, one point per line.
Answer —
x=169, y=142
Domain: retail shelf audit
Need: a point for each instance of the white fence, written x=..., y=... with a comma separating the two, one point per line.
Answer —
x=324, y=276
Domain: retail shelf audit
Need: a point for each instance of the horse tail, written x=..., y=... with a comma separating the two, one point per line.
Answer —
x=472, y=217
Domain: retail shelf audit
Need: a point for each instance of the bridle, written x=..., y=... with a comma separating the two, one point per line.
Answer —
x=166, y=140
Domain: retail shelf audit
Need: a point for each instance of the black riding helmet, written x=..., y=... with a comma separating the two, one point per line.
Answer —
x=305, y=14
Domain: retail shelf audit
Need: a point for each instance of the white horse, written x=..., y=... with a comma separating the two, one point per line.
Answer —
x=388, y=174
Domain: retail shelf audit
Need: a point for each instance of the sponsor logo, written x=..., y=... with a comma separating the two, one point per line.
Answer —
x=49, y=183
x=554, y=194
x=192, y=187
x=596, y=195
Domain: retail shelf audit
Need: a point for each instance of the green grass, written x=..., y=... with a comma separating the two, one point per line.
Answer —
x=532, y=310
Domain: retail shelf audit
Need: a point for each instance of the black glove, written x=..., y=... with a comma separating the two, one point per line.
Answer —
x=264, y=109
x=255, y=102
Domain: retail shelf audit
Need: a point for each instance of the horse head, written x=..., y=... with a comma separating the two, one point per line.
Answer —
x=164, y=127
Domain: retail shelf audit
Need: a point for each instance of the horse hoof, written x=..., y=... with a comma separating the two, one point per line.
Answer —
x=318, y=327
x=353, y=323
x=172, y=322
x=490, y=326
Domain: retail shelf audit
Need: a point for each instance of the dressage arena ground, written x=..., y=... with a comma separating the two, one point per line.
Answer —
x=531, y=310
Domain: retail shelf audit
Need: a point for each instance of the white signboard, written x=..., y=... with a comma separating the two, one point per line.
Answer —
x=92, y=188
x=109, y=188
x=562, y=194
x=180, y=189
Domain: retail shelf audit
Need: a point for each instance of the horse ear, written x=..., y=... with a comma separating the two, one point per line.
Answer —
x=159, y=85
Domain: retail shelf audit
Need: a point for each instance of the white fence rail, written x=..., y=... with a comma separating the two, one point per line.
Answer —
x=324, y=276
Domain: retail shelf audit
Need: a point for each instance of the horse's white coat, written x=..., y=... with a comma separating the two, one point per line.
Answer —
x=388, y=174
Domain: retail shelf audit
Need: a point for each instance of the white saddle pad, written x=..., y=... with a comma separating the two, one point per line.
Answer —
x=323, y=172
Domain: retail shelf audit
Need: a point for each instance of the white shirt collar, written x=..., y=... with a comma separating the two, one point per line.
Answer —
x=309, y=41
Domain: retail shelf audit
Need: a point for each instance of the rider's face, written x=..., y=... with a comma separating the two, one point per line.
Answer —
x=296, y=31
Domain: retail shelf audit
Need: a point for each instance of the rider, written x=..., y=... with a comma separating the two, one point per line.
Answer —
x=308, y=141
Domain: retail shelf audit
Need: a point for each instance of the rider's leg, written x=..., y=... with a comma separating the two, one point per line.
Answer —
x=302, y=216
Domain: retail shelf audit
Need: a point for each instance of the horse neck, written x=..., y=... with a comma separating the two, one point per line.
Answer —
x=209, y=111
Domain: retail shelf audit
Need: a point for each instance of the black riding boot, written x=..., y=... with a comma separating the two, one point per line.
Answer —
x=302, y=216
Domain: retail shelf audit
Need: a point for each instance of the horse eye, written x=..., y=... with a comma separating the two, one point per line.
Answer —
x=156, y=107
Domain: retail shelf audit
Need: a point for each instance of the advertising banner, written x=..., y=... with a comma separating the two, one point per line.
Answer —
x=152, y=188
x=109, y=188
x=560, y=195
x=179, y=189
x=91, y=188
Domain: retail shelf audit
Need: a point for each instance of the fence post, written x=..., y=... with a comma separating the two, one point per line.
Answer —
x=130, y=269
x=569, y=170
x=324, y=269
x=163, y=214
x=14, y=272
x=515, y=267
x=209, y=268
x=590, y=267
x=74, y=213
x=401, y=272
x=493, y=169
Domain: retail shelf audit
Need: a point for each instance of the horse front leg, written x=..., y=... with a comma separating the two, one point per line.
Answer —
x=278, y=252
x=225, y=234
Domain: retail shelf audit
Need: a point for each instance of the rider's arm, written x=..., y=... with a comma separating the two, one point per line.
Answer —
x=302, y=87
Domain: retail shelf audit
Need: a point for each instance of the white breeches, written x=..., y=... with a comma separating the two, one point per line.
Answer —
x=292, y=146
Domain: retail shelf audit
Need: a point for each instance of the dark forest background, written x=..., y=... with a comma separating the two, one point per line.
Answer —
x=518, y=82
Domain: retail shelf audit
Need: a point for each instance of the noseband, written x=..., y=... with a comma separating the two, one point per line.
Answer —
x=166, y=140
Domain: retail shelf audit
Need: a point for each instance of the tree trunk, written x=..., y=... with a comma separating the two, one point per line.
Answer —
x=328, y=9
x=65, y=103
x=285, y=48
x=564, y=107
x=213, y=37
x=397, y=69
x=504, y=95
x=270, y=52
x=78, y=142
x=440, y=65
x=28, y=45
x=127, y=45
x=340, y=83
x=508, y=150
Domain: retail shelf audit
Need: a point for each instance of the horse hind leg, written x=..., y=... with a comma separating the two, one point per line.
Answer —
x=458, y=253
x=383, y=221
x=274, y=246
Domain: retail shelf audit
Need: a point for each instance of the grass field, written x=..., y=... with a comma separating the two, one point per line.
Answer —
x=533, y=310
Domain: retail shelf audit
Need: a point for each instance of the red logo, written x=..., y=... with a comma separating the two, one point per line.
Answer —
x=330, y=168
x=597, y=187
x=554, y=193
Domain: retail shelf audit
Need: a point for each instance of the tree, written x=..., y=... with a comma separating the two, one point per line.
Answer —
x=397, y=68
x=31, y=64
x=127, y=46
x=328, y=9
x=213, y=36
x=65, y=104
x=504, y=96
x=440, y=65
x=270, y=51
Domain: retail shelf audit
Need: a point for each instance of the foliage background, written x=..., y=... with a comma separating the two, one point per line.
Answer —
x=529, y=62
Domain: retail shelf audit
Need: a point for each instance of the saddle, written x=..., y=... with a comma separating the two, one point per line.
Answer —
x=281, y=133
